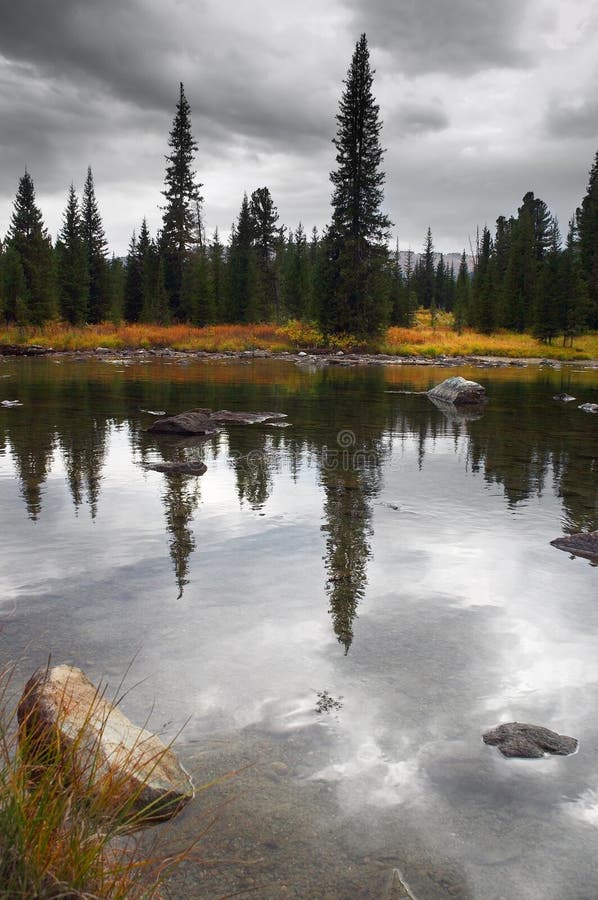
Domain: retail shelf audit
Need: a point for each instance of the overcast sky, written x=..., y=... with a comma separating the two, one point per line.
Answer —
x=480, y=102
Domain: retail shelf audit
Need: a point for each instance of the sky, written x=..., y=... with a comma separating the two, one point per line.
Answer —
x=480, y=101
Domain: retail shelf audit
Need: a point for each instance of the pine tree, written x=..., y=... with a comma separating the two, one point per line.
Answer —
x=546, y=321
x=181, y=219
x=73, y=276
x=587, y=223
x=355, y=244
x=574, y=300
x=462, y=311
x=217, y=277
x=426, y=275
x=100, y=300
x=242, y=300
x=266, y=234
x=33, y=291
x=133, y=299
x=483, y=291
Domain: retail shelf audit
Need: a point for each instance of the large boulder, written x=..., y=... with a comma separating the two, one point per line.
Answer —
x=459, y=391
x=583, y=544
x=194, y=421
x=66, y=722
x=517, y=739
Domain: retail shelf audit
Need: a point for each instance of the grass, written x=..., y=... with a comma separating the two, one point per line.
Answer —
x=421, y=340
x=65, y=827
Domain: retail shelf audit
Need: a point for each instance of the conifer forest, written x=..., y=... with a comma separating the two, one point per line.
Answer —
x=524, y=274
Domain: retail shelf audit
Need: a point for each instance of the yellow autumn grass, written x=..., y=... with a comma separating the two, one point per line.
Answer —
x=421, y=340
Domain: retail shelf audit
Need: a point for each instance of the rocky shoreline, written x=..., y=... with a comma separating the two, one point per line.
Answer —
x=308, y=359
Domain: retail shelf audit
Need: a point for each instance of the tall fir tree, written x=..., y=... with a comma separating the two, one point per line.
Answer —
x=100, y=299
x=266, y=234
x=462, y=311
x=242, y=305
x=216, y=277
x=575, y=299
x=426, y=273
x=181, y=214
x=483, y=293
x=587, y=225
x=33, y=286
x=355, y=243
x=73, y=275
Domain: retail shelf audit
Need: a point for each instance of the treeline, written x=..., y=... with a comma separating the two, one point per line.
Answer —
x=521, y=278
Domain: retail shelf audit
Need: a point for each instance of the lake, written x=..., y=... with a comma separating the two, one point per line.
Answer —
x=336, y=611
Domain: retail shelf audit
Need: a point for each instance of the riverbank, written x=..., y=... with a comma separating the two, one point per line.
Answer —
x=423, y=342
x=308, y=360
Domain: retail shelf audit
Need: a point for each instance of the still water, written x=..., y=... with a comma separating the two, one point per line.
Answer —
x=344, y=605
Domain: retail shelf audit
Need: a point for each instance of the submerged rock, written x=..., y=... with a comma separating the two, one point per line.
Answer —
x=204, y=421
x=131, y=772
x=563, y=398
x=583, y=544
x=184, y=467
x=589, y=407
x=223, y=416
x=195, y=421
x=459, y=391
x=517, y=739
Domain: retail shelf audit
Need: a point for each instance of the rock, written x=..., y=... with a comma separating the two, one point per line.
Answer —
x=261, y=354
x=563, y=398
x=195, y=421
x=589, y=407
x=130, y=771
x=185, y=467
x=153, y=412
x=516, y=739
x=245, y=418
x=583, y=544
x=458, y=390
x=24, y=350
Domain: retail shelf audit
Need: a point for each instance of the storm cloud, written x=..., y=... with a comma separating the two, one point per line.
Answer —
x=478, y=102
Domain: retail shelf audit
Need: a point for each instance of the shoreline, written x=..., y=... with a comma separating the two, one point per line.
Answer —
x=309, y=359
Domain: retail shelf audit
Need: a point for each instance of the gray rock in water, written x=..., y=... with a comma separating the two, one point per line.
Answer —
x=517, y=739
x=459, y=391
x=583, y=544
x=563, y=398
x=185, y=467
x=133, y=774
x=195, y=421
x=589, y=407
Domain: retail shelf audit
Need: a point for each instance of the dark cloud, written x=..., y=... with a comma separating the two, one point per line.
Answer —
x=85, y=82
x=459, y=37
x=577, y=119
x=417, y=118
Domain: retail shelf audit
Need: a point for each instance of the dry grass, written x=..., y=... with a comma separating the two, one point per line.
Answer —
x=63, y=834
x=421, y=340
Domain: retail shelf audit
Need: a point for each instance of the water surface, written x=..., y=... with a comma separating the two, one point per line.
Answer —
x=346, y=603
